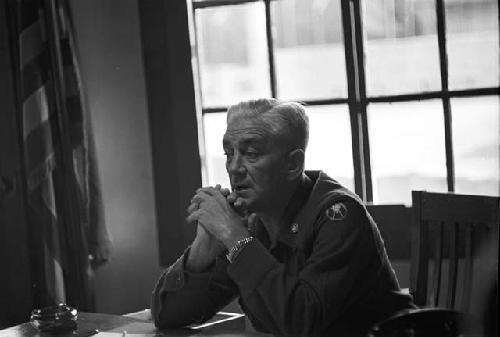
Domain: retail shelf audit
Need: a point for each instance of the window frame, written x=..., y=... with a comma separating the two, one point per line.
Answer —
x=357, y=100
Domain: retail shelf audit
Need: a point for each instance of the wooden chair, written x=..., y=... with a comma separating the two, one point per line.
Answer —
x=454, y=249
x=454, y=238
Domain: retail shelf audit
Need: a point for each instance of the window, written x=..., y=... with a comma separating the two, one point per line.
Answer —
x=401, y=94
x=409, y=154
x=231, y=51
x=402, y=54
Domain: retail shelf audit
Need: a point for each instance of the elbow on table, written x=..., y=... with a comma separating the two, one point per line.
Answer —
x=165, y=316
x=168, y=319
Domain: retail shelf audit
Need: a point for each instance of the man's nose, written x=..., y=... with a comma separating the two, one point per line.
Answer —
x=235, y=165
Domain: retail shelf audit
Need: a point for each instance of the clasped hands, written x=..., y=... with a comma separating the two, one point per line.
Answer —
x=214, y=209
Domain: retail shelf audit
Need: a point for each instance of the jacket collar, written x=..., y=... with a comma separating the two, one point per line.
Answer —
x=302, y=208
x=286, y=233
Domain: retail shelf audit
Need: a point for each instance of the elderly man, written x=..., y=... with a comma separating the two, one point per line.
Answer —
x=300, y=250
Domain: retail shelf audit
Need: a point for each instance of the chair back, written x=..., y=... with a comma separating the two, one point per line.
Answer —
x=454, y=245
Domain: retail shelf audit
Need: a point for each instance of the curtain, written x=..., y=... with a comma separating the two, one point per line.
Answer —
x=68, y=237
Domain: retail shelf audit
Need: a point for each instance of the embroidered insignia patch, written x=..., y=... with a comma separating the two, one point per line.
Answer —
x=337, y=212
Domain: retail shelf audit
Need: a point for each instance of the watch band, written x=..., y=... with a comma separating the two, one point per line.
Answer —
x=237, y=248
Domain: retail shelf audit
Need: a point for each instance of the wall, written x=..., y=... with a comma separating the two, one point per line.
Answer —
x=173, y=120
x=394, y=223
x=111, y=62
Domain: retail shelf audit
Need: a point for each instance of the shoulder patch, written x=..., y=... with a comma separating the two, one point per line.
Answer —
x=336, y=212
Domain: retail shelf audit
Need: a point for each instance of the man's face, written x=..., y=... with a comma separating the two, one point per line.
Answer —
x=254, y=162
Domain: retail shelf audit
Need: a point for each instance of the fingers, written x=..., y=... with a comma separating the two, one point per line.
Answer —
x=239, y=203
x=211, y=191
x=206, y=193
x=231, y=198
x=193, y=216
x=198, y=198
x=252, y=219
x=210, y=196
x=217, y=187
x=236, y=202
x=225, y=192
x=195, y=202
x=193, y=207
x=202, y=229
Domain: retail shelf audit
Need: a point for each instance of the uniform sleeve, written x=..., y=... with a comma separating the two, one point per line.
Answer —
x=343, y=257
x=181, y=298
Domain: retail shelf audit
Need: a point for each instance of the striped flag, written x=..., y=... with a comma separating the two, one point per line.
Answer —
x=36, y=92
x=64, y=202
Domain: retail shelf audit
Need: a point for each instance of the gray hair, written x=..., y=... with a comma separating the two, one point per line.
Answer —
x=287, y=120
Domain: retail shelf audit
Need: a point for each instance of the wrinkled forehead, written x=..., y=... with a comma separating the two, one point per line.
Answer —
x=240, y=124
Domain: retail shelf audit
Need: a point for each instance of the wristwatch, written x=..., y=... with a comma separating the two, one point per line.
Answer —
x=237, y=248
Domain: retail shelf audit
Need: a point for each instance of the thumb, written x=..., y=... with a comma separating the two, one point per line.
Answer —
x=252, y=220
x=193, y=217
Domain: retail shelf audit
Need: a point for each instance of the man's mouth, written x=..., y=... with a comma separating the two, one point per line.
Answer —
x=240, y=188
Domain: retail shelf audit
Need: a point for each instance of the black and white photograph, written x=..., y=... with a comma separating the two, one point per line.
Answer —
x=295, y=168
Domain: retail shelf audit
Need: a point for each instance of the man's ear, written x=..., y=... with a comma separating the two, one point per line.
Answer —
x=295, y=164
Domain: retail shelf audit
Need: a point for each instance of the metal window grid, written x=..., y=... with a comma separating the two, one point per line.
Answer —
x=357, y=99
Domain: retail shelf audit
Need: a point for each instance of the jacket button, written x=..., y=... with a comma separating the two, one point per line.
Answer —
x=294, y=228
x=178, y=278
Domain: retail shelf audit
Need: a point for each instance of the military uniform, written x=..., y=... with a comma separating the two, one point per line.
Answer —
x=327, y=273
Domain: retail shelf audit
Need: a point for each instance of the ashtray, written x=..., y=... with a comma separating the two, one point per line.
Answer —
x=55, y=319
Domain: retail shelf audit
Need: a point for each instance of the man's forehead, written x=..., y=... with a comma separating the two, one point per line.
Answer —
x=247, y=128
x=246, y=135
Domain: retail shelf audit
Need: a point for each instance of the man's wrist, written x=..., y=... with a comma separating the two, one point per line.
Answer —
x=199, y=259
x=238, y=248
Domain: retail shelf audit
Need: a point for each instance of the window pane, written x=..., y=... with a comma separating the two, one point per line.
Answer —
x=232, y=51
x=214, y=126
x=401, y=46
x=309, y=49
x=472, y=43
x=330, y=148
x=407, y=149
x=476, y=132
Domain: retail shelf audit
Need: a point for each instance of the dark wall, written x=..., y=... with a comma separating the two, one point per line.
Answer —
x=173, y=119
x=109, y=42
x=394, y=223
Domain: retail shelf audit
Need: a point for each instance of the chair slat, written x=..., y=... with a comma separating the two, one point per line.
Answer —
x=438, y=263
x=453, y=265
x=420, y=254
x=468, y=268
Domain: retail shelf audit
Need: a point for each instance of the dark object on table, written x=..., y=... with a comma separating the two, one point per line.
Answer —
x=55, y=319
x=437, y=322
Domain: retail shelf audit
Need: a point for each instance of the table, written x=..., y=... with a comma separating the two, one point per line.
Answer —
x=114, y=325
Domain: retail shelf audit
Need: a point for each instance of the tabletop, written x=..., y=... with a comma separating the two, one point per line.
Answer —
x=118, y=326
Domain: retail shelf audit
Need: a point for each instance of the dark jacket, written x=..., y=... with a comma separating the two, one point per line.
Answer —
x=327, y=274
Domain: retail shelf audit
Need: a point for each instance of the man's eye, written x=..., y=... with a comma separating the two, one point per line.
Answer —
x=227, y=154
x=252, y=154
